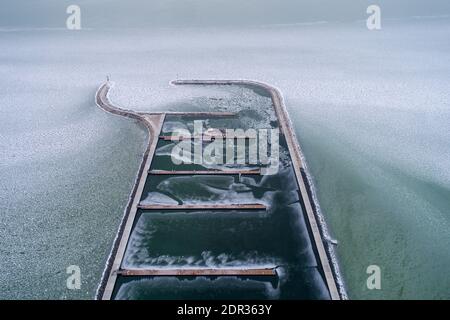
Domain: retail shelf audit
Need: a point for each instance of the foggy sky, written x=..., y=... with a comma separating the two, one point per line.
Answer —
x=148, y=13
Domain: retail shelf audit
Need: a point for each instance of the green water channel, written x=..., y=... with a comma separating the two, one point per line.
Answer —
x=276, y=237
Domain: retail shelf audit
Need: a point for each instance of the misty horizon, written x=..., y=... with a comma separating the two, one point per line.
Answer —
x=154, y=13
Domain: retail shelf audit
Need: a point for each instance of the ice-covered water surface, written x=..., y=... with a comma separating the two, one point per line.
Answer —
x=371, y=111
x=66, y=170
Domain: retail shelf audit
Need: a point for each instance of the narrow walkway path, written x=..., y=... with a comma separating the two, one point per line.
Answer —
x=154, y=125
x=200, y=272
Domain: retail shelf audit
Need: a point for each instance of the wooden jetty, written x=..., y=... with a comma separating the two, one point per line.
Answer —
x=204, y=137
x=237, y=206
x=205, y=172
x=194, y=114
x=200, y=272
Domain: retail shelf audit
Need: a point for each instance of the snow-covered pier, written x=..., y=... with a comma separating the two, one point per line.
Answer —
x=154, y=122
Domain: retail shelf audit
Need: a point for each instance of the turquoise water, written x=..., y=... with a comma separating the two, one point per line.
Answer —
x=223, y=239
x=276, y=237
x=371, y=110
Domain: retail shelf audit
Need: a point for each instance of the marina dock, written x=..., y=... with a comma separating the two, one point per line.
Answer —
x=154, y=122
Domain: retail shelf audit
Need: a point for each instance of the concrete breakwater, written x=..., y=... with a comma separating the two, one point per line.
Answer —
x=154, y=121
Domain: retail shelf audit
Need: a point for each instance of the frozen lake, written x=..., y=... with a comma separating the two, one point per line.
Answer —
x=371, y=109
